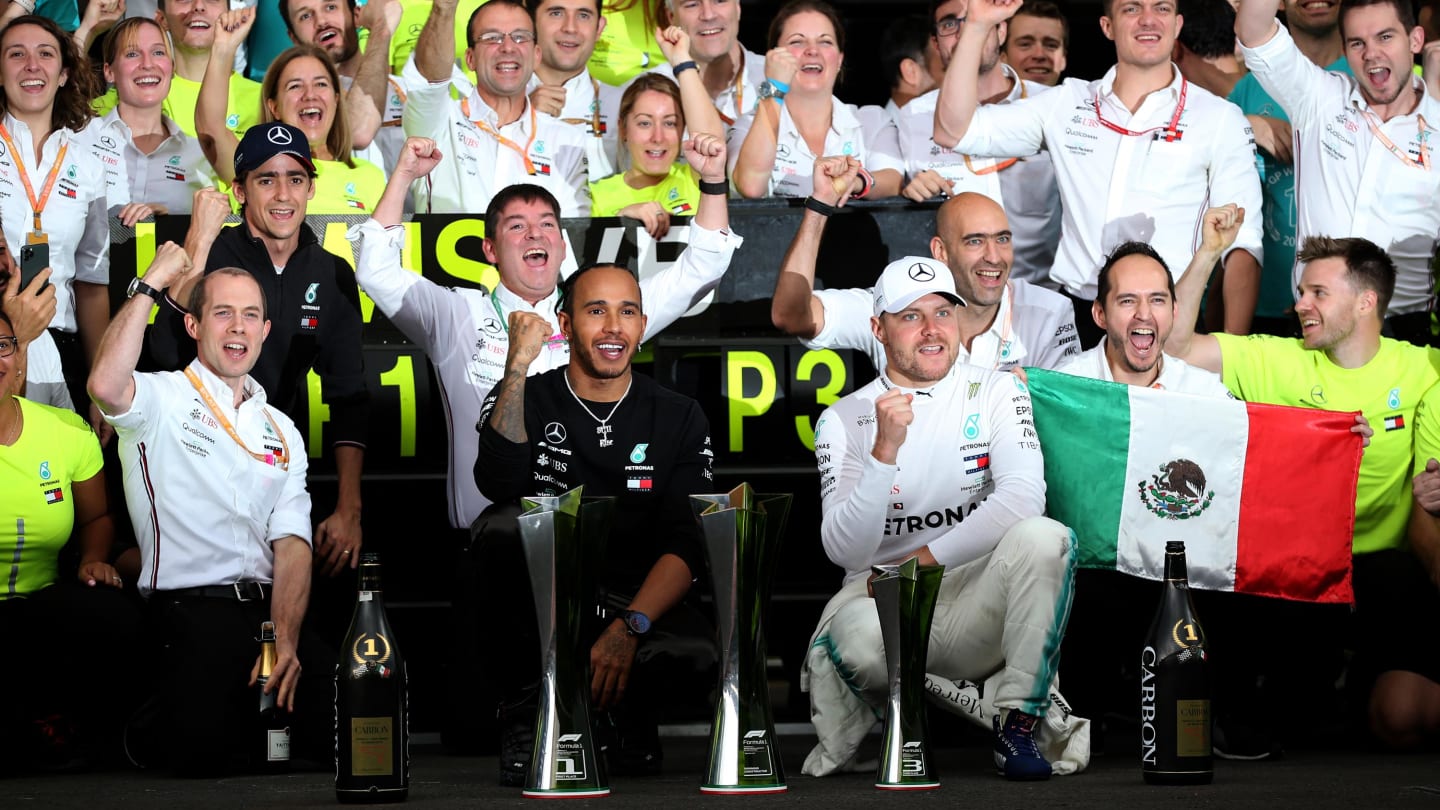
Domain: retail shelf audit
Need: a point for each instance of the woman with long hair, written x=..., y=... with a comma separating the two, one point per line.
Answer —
x=799, y=119
x=151, y=166
x=54, y=203
x=654, y=182
x=302, y=89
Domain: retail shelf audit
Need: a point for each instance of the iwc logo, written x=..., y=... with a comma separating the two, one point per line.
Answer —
x=1177, y=492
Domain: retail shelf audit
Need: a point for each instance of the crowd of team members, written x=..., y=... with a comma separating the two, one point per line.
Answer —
x=1072, y=209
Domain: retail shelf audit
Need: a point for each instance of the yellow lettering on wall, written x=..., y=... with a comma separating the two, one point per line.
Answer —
x=462, y=266
x=826, y=395
x=742, y=406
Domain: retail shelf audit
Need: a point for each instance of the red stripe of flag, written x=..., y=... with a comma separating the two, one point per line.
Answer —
x=1284, y=477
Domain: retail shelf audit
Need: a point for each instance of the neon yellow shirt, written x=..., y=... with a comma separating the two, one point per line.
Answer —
x=413, y=14
x=243, y=113
x=1387, y=390
x=37, y=514
x=626, y=47
x=679, y=192
x=340, y=189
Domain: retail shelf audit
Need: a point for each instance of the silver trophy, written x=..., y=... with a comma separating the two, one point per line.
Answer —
x=742, y=532
x=905, y=597
x=564, y=542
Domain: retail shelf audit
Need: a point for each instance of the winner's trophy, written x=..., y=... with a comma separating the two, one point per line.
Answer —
x=742, y=533
x=564, y=542
x=905, y=598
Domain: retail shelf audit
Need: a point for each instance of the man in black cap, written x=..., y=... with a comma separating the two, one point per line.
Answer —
x=314, y=308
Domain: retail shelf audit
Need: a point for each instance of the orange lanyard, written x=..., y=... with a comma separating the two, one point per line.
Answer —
x=523, y=152
x=1004, y=164
x=739, y=96
x=594, y=121
x=37, y=204
x=282, y=460
x=991, y=169
x=1423, y=137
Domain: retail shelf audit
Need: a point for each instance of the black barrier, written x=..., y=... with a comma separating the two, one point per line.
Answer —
x=761, y=391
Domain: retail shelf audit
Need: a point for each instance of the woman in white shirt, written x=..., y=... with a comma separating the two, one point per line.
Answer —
x=799, y=119
x=151, y=166
x=51, y=197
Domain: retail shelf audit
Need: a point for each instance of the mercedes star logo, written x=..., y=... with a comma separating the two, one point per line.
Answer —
x=492, y=326
x=920, y=272
x=555, y=433
x=280, y=135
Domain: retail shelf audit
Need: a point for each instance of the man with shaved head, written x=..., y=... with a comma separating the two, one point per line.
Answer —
x=1004, y=322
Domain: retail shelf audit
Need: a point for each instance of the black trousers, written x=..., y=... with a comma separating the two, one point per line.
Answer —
x=72, y=651
x=211, y=712
x=675, y=661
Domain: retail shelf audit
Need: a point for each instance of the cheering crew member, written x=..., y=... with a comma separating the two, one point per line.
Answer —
x=1038, y=42
x=595, y=423
x=566, y=31
x=317, y=324
x=937, y=460
x=1137, y=153
x=495, y=136
x=1362, y=143
x=191, y=25
x=1025, y=186
x=1315, y=28
x=1342, y=363
x=732, y=73
x=1136, y=308
x=465, y=332
x=1003, y=322
x=215, y=481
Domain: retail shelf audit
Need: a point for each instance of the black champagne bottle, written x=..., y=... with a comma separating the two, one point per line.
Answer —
x=372, y=724
x=1175, y=686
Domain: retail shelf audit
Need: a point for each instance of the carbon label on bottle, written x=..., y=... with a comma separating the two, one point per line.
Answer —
x=372, y=743
x=570, y=762
x=755, y=754
x=277, y=748
x=1192, y=728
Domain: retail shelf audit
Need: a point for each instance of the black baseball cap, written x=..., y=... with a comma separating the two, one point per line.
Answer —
x=265, y=141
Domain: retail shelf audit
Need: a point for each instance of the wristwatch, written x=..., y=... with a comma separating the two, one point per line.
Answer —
x=140, y=287
x=769, y=89
x=636, y=623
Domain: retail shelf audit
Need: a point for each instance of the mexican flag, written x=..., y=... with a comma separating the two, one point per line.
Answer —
x=1262, y=495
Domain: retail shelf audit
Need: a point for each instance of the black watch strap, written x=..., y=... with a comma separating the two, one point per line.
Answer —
x=139, y=287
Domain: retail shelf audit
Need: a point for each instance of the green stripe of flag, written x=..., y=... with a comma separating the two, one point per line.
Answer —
x=1089, y=504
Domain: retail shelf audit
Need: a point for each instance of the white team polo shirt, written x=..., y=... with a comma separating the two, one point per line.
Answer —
x=75, y=216
x=795, y=163
x=1033, y=327
x=593, y=109
x=1116, y=188
x=477, y=165
x=970, y=468
x=170, y=175
x=1175, y=374
x=1025, y=188
x=204, y=510
x=1347, y=183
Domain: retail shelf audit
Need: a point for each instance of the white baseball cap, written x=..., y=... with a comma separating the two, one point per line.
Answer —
x=908, y=279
